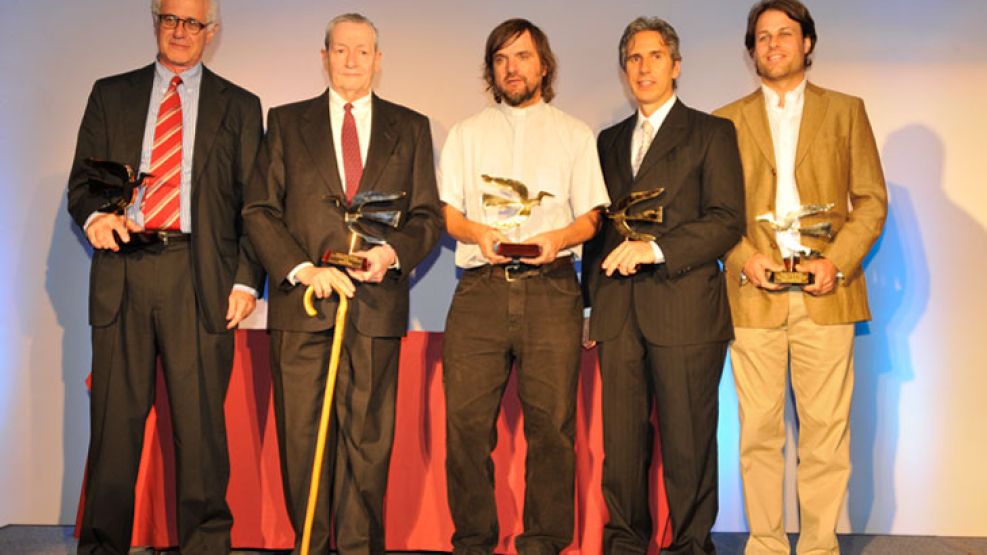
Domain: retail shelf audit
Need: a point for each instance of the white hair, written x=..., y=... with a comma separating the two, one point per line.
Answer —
x=350, y=18
x=213, y=14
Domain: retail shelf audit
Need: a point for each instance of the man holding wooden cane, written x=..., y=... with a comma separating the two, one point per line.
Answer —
x=309, y=171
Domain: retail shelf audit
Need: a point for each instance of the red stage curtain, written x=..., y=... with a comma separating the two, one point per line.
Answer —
x=416, y=512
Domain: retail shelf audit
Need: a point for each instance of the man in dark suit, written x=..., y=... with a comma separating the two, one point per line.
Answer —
x=659, y=308
x=344, y=141
x=171, y=277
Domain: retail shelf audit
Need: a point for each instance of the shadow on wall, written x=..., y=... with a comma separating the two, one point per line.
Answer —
x=898, y=287
x=67, y=286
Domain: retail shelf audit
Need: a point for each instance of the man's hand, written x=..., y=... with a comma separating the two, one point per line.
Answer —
x=587, y=342
x=824, y=272
x=325, y=280
x=379, y=259
x=756, y=269
x=487, y=238
x=241, y=304
x=101, y=228
x=550, y=243
x=627, y=257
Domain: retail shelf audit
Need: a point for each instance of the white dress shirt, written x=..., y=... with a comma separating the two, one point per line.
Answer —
x=542, y=147
x=785, y=122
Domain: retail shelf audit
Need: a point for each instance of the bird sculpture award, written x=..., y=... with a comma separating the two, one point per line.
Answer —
x=622, y=217
x=513, y=208
x=789, y=231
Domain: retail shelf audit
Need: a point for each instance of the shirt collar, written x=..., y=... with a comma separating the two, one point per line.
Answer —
x=658, y=116
x=792, y=97
x=190, y=77
x=513, y=112
x=337, y=102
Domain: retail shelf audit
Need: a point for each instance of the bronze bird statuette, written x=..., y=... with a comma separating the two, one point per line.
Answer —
x=791, y=221
x=117, y=183
x=519, y=201
x=621, y=216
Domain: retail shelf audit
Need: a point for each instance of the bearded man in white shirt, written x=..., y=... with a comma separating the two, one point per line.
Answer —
x=526, y=310
x=801, y=146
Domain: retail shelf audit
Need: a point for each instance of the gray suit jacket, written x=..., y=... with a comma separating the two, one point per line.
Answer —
x=290, y=221
x=228, y=133
x=682, y=301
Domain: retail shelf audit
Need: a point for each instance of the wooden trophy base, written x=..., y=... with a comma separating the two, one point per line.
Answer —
x=518, y=250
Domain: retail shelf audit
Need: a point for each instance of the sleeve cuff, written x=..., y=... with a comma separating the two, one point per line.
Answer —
x=659, y=256
x=245, y=289
x=295, y=270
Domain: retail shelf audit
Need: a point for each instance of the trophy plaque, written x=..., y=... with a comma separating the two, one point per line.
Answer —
x=514, y=208
x=622, y=216
x=360, y=219
x=794, y=252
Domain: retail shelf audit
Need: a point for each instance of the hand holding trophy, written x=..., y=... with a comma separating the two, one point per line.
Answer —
x=359, y=221
x=514, y=209
x=789, y=230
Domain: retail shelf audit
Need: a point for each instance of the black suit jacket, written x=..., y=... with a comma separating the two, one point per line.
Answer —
x=227, y=136
x=682, y=301
x=290, y=221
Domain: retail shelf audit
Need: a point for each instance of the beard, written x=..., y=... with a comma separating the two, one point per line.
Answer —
x=518, y=98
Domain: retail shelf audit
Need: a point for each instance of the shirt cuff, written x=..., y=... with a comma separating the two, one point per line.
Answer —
x=659, y=256
x=245, y=289
x=90, y=219
x=295, y=270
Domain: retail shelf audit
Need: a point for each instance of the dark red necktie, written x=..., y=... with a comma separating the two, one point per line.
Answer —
x=162, y=205
x=352, y=162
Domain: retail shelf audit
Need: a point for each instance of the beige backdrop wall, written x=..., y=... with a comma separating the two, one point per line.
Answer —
x=919, y=445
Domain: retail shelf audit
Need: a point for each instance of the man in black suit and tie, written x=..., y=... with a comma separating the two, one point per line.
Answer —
x=659, y=308
x=319, y=153
x=171, y=277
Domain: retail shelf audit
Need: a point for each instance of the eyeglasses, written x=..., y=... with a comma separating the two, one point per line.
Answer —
x=192, y=25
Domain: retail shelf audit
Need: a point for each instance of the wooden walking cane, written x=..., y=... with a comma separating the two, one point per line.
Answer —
x=320, y=445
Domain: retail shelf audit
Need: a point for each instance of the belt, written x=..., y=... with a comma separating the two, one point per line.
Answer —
x=162, y=236
x=515, y=271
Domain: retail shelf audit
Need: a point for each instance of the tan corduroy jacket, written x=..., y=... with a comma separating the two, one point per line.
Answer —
x=836, y=161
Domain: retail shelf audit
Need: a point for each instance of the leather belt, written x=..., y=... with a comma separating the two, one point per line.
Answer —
x=163, y=237
x=514, y=271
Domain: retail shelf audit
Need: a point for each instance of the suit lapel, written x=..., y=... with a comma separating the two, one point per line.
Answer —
x=316, y=133
x=813, y=113
x=622, y=154
x=133, y=115
x=670, y=134
x=383, y=138
x=756, y=120
x=212, y=110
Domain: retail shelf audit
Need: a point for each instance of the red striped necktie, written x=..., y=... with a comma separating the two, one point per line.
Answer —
x=352, y=161
x=162, y=205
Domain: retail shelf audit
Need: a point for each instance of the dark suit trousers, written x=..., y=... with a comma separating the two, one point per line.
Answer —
x=492, y=324
x=358, y=446
x=158, y=316
x=683, y=384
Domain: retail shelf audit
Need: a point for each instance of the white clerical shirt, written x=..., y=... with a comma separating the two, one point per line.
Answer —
x=540, y=146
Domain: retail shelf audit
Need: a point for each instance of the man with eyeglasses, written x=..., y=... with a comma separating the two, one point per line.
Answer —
x=171, y=277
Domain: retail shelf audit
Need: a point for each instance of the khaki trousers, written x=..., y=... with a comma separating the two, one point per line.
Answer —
x=821, y=362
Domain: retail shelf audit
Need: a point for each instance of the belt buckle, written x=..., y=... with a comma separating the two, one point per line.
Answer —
x=163, y=237
x=508, y=268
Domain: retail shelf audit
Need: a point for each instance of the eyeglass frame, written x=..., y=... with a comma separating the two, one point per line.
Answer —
x=192, y=25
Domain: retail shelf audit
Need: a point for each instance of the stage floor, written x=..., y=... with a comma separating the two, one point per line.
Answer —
x=58, y=540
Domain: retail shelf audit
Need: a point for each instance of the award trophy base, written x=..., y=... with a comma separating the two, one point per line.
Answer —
x=518, y=250
x=790, y=276
x=345, y=260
